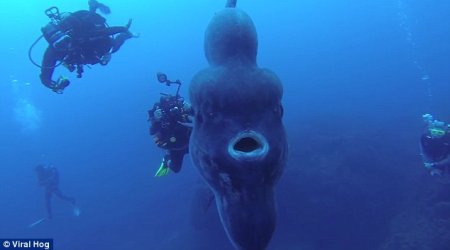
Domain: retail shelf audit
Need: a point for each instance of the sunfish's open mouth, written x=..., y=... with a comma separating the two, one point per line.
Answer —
x=248, y=145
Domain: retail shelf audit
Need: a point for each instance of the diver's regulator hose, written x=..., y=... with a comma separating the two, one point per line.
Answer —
x=31, y=58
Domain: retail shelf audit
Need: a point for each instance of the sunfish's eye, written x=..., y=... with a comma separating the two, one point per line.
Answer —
x=278, y=110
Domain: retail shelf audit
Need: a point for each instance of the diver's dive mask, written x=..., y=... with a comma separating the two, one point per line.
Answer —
x=436, y=128
x=437, y=132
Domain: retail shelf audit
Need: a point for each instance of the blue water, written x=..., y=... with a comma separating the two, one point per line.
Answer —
x=357, y=77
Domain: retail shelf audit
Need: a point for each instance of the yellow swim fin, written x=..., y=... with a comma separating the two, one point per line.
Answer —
x=163, y=169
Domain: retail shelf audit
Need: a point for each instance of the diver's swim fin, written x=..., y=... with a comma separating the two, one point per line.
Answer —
x=104, y=9
x=37, y=222
x=163, y=169
x=94, y=5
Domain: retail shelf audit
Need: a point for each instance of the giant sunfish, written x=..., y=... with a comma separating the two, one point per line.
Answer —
x=238, y=142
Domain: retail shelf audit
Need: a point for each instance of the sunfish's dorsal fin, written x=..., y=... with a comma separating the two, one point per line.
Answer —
x=231, y=4
x=230, y=38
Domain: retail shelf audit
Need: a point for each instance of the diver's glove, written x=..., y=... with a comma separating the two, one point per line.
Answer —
x=433, y=169
x=429, y=165
x=59, y=86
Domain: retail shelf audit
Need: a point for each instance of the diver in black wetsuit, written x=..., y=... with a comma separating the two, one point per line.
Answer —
x=169, y=120
x=48, y=177
x=79, y=38
x=435, y=146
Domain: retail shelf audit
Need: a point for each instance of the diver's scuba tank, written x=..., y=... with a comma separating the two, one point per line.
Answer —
x=53, y=32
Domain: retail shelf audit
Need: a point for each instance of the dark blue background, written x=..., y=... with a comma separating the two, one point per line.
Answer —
x=354, y=95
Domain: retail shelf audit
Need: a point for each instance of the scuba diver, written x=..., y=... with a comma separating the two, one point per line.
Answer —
x=77, y=39
x=435, y=146
x=48, y=177
x=170, y=120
